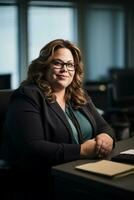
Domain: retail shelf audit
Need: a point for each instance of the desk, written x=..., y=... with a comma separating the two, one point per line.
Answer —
x=74, y=184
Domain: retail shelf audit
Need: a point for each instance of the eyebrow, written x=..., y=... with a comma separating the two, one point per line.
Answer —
x=58, y=59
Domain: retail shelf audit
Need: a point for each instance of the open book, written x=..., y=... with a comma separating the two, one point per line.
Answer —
x=107, y=168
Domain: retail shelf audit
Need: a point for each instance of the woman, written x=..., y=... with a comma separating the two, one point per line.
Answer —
x=51, y=120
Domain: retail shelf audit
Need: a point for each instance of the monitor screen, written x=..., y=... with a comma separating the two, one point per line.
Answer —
x=123, y=85
x=5, y=81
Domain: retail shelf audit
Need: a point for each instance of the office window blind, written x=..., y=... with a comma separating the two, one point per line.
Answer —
x=8, y=43
x=47, y=23
x=105, y=41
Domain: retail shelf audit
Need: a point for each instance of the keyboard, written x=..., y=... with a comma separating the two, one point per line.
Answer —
x=123, y=157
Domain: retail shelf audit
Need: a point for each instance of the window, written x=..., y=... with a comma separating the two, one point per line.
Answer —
x=105, y=41
x=47, y=23
x=101, y=35
x=8, y=43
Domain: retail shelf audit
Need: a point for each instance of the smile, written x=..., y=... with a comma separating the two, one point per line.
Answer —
x=62, y=76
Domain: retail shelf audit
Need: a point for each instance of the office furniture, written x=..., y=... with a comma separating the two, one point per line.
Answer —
x=5, y=179
x=4, y=100
x=97, y=90
x=71, y=183
x=5, y=81
x=120, y=112
x=8, y=185
x=102, y=96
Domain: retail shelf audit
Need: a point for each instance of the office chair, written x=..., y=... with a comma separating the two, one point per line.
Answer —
x=97, y=90
x=120, y=111
x=4, y=100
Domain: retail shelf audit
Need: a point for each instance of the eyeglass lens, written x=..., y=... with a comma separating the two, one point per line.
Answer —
x=60, y=64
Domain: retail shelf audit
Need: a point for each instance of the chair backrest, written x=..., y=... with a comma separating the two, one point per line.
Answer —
x=121, y=98
x=122, y=87
x=97, y=90
x=4, y=100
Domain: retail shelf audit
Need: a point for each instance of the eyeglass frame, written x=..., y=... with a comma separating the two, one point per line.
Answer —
x=62, y=64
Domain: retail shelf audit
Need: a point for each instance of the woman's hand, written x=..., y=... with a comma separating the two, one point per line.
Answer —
x=88, y=149
x=104, y=145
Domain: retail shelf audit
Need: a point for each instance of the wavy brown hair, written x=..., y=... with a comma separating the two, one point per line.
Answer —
x=38, y=67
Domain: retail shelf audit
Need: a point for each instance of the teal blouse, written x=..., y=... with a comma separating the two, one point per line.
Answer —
x=84, y=124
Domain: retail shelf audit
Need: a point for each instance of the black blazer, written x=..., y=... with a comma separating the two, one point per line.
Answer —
x=38, y=133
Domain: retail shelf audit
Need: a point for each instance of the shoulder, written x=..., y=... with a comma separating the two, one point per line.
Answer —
x=28, y=92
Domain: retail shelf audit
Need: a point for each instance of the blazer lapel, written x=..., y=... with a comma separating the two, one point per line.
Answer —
x=60, y=113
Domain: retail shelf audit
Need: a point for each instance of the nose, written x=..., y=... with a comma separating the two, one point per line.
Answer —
x=64, y=67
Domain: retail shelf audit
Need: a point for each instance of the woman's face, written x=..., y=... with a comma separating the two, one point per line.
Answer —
x=61, y=70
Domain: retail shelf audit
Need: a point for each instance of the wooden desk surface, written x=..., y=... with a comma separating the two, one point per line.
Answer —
x=123, y=186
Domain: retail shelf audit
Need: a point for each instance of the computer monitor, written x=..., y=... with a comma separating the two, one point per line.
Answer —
x=123, y=85
x=5, y=81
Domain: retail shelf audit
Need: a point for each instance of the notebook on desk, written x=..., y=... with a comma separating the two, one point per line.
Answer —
x=107, y=168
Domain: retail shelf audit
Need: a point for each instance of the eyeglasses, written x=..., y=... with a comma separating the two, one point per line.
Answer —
x=59, y=64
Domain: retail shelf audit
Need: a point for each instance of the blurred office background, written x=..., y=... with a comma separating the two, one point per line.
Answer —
x=103, y=30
